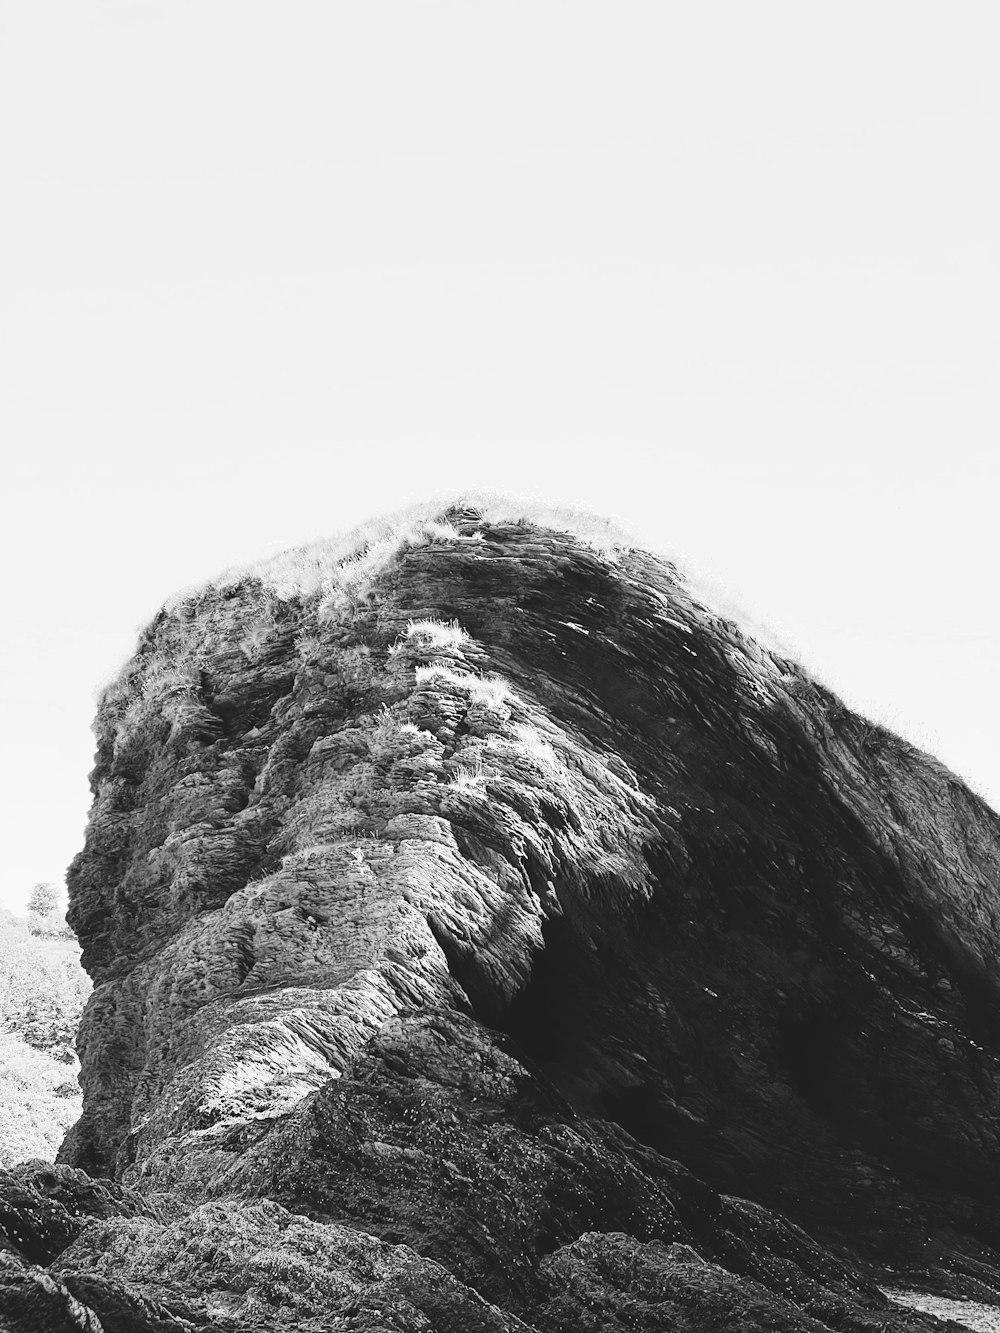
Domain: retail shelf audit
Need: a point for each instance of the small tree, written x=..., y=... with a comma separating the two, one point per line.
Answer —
x=47, y=912
x=43, y=899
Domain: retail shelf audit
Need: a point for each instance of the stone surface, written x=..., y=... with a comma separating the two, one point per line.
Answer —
x=478, y=925
x=43, y=1207
x=237, y=1266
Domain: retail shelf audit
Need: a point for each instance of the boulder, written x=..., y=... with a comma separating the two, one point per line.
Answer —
x=488, y=934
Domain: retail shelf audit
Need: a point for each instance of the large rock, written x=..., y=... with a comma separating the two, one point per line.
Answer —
x=486, y=898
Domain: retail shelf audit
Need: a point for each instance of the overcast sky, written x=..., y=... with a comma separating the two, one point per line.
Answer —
x=726, y=271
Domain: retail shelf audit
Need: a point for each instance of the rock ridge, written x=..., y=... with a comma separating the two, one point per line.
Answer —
x=486, y=933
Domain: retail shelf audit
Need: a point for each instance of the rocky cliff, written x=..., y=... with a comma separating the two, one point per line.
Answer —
x=485, y=934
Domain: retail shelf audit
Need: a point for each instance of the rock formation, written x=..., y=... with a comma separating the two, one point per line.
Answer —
x=487, y=935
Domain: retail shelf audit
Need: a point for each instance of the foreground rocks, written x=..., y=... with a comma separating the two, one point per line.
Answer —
x=485, y=935
x=487, y=1205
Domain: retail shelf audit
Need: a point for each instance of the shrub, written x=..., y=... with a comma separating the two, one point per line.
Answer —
x=38, y=1101
x=42, y=988
x=42, y=992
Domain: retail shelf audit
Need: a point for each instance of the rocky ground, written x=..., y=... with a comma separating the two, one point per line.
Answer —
x=968, y=1314
x=486, y=935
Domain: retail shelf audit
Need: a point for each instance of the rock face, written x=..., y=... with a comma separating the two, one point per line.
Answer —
x=487, y=935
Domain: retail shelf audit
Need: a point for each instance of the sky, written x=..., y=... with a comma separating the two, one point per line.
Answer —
x=725, y=271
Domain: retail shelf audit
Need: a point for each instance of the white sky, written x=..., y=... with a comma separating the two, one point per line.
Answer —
x=728, y=271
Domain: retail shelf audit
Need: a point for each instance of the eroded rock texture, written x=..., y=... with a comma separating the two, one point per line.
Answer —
x=486, y=935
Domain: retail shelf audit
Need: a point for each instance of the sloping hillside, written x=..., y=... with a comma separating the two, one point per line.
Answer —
x=42, y=991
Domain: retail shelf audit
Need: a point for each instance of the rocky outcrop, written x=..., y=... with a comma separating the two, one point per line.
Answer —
x=486, y=934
